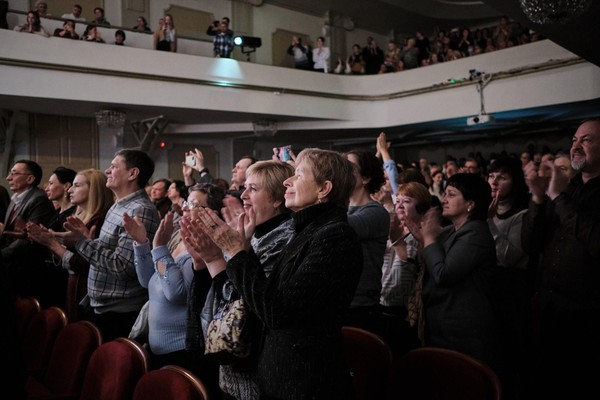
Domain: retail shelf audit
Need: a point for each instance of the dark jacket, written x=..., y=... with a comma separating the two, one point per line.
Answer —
x=35, y=207
x=566, y=232
x=457, y=291
x=301, y=305
x=23, y=259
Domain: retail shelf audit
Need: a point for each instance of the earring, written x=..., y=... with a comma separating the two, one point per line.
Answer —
x=319, y=200
x=469, y=209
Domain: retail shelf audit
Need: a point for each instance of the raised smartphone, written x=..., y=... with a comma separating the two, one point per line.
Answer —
x=283, y=153
x=190, y=160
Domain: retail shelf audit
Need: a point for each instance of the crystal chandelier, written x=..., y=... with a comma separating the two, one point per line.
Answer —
x=110, y=118
x=554, y=11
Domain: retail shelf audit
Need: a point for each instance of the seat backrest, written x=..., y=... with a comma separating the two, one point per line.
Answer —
x=26, y=307
x=428, y=373
x=39, y=339
x=171, y=382
x=114, y=370
x=369, y=358
x=70, y=357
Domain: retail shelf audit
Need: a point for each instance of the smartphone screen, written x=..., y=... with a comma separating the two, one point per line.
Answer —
x=190, y=160
x=284, y=153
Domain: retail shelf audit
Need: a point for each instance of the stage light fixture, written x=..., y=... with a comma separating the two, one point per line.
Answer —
x=247, y=41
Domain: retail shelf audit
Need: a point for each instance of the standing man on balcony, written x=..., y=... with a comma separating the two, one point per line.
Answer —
x=223, y=41
x=75, y=13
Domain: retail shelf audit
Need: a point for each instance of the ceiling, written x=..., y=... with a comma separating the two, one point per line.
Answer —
x=405, y=16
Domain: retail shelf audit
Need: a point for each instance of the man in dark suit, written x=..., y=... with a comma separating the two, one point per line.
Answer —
x=22, y=262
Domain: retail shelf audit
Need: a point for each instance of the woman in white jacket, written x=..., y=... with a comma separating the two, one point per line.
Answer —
x=321, y=56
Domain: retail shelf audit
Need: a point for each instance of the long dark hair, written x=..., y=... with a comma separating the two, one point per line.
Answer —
x=519, y=195
x=37, y=24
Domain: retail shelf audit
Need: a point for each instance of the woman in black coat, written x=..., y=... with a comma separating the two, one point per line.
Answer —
x=302, y=301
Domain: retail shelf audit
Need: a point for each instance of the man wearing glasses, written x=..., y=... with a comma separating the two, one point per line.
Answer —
x=28, y=203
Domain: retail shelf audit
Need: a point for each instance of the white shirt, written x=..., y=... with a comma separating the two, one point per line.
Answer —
x=321, y=58
x=71, y=16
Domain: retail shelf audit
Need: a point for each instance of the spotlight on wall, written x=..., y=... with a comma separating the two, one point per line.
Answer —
x=249, y=44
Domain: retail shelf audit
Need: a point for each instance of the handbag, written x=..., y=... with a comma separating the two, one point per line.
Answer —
x=140, y=329
x=228, y=336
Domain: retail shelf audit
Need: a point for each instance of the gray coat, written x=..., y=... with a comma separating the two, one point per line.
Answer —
x=457, y=290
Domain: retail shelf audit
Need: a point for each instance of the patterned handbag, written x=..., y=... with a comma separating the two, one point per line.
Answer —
x=228, y=335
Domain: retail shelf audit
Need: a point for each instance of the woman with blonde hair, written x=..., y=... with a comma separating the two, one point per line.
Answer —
x=302, y=301
x=264, y=202
x=99, y=198
x=93, y=199
x=165, y=36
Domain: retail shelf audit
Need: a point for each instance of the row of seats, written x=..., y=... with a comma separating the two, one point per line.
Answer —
x=69, y=360
x=426, y=373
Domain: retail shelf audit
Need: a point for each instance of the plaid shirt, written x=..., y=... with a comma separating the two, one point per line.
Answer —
x=113, y=284
x=223, y=45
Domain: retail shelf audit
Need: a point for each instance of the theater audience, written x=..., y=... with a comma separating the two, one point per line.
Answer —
x=22, y=258
x=142, y=25
x=400, y=268
x=166, y=269
x=75, y=13
x=373, y=56
x=54, y=276
x=320, y=56
x=268, y=226
x=223, y=41
x=354, y=64
x=92, y=200
x=99, y=18
x=159, y=197
x=115, y=295
x=165, y=36
x=33, y=25
x=510, y=198
x=561, y=226
x=177, y=193
x=301, y=302
x=371, y=222
x=460, y=260
x=67, y=31
x=92, y=34
x=300, y=53
x=120, y=37
x=563, y=163
x=42, y=9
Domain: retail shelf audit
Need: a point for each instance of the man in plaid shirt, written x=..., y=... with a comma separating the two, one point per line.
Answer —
x=114, y=292
x=223, y=41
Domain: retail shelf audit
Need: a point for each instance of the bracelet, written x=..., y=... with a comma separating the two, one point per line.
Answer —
x=203, y=170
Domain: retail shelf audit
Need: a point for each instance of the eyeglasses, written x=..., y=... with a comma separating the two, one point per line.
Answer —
x=12, y=173
x=190, y=205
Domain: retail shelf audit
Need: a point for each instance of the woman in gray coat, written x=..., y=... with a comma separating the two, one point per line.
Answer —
x=460, y=261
